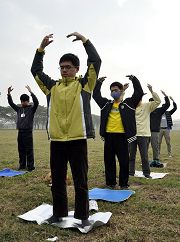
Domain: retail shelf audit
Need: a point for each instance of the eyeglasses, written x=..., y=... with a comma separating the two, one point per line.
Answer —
x=67, y=67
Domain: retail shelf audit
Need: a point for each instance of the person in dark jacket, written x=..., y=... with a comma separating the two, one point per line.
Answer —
x=70, y=124
x=117, y=127
x=166, y=126
x=25, y=116
x=155, y=121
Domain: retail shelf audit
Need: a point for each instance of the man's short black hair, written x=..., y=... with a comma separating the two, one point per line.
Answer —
x=70, y=57
x=118, y=84
x=24, y=97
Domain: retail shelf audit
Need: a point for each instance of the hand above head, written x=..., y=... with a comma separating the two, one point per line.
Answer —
x=10, y=90
x=130, y=77
x=29, y=89
x=101, y=79
x=150, y=88
x=46, y=41
x=126, y=85
x=171, y=98
x=163, y=93
x=78, y=37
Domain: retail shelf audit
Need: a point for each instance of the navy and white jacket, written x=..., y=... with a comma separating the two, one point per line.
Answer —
x=127, y=109
x=25, y=115
x=156, y=115
x=168, y=115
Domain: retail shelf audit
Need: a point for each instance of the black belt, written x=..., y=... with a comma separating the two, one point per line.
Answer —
x=25, y=130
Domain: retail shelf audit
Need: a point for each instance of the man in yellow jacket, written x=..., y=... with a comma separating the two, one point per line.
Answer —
x=69, y=124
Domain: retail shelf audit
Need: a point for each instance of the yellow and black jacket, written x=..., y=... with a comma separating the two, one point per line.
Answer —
x=69, y=111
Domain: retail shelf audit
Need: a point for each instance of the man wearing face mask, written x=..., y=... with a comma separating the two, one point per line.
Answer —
x=117, y=127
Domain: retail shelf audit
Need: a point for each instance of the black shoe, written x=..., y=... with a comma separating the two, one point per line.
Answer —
x=124, y=187
x=147, y=176
x=30, y=169
x=53, y=219
x=110, y=186
x=86, y=222
x=21, y=168
x=159, y=164
x=152, y=163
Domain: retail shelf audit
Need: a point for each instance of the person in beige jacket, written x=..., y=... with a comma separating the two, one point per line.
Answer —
x=143, y=111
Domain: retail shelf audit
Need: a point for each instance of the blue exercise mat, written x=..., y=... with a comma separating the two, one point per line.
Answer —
x=9, y=172
x=110, y=195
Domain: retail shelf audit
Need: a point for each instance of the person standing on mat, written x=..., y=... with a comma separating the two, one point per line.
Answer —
x=143, y=111
x=70, y=124
x=117, y=127
x=25, y=116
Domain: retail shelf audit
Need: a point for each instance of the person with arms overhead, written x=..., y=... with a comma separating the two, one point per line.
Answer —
x=143, y=111
x=155, y=121
x=69, y=124
x=25, y=116
x=166, y=126
x=117, y=127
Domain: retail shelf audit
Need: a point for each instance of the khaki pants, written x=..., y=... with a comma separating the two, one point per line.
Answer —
x=155, y=145
x=166, y=134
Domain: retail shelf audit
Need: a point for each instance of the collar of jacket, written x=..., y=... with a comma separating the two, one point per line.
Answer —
x=67, y=80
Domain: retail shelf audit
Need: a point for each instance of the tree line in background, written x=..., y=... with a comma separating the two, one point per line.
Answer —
x=8, y=118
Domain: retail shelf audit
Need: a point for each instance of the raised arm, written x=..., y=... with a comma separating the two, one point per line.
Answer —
x=93, y=62
x=138, y=91
x=166, y=105
x=174, y=106
x=34, y=98
x=101, y=101
x=43, y=80
x=156, y=100
x=10, y=101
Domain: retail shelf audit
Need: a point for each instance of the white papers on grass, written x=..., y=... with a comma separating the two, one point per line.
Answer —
x=44, y=211
x=38, y=214
x=96, y=220
x=93, y=206
x=154, y=175
x=52, y=239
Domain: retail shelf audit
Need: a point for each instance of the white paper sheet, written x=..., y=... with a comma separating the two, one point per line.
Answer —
x=154, y=175
x=93, y=206
x=52, y=239
x=44, y=211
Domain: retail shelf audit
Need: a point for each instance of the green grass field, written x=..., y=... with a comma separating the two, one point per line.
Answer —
x=151, y=215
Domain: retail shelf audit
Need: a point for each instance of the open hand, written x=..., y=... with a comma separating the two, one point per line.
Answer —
x=101, y=79
x=29, y=89
x=46, y=41
x=130, y=77
x=78, y=37
x=126, y=85
x=171, y=98
x=10, y=89
x=150, y=88
x=163, y=93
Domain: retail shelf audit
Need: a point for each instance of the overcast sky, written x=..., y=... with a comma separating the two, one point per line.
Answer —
x=139, y=37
